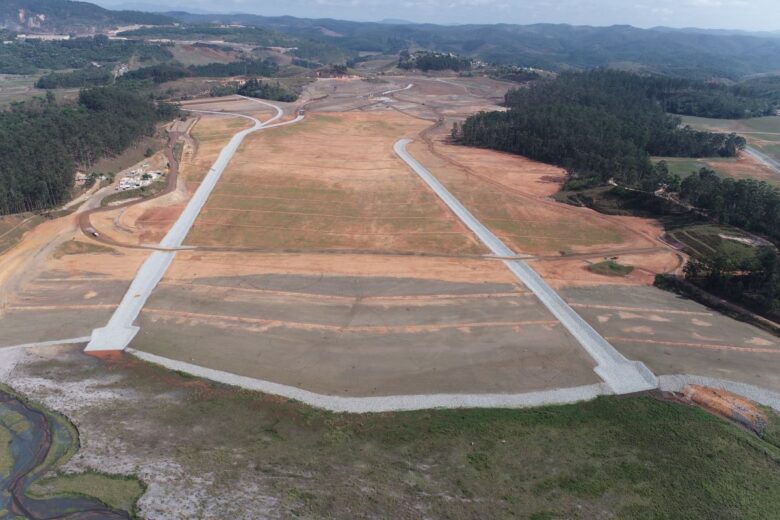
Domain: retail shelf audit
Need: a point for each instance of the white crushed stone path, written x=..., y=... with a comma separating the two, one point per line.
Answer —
x=389, y=403
x=120, y=330
x=622, y=375
x=52, y=343
x=763, y=158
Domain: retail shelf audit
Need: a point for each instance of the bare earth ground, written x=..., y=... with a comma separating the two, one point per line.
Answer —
x=147, y=222
x=307, y=193
x=332, y=184
x=347, y=334
x=674, y=335
x=510, y=194
x=344, y=316
x=322, y=184
x=331, y=181
x=68, y=297
x=762, y=133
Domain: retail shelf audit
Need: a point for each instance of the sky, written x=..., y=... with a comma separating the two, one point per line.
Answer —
x=752, y=15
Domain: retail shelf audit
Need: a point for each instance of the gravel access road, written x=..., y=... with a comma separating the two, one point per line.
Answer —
x=621, y=375
x=763, y=158
x=120, y=330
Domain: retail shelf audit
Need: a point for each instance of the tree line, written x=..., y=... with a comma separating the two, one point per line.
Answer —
x=256, y=88
x=745, y=203
x=157, y=74
x=600, y=125
x=751, y=280
x=708, y=99
x=27, y=57
x=426, y=61
x=42, y=142
x=88, y=77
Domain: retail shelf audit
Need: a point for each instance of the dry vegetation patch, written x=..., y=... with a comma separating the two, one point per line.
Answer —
x=77, y=247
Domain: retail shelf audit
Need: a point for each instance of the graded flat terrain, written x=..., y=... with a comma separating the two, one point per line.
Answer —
x=148, y=221
x=342, y=326
x=311, y=223
x=73, y=292
x=674, y=335
x=743, y=167
x=510, y=195
x=330, y=182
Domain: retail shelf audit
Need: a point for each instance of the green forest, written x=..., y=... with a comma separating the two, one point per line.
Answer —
x=745, y=203
x=160, y=73
x=752, y=279
x=599, y=125
x=43, y=142
x=237, y=68
x=426, y=61
x=29, y=56
x=266, y=90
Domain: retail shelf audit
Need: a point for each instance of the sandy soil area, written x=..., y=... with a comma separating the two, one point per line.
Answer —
x=147, y=222
x=192, y=265
x=748, y=167
x=510, y=194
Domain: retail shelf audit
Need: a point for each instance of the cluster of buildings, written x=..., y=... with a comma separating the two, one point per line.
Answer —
x=138, y=179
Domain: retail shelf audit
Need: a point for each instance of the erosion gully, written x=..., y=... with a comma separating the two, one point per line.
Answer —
x=40, y=441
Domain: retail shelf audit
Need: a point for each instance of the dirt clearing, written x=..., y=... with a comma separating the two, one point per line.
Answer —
x=331, y=181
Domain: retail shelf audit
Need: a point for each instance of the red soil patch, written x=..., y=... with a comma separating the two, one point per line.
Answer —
x=726, y=404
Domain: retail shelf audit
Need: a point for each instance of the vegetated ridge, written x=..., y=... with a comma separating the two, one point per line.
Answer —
x=27, y=57
x=554, y=47
x=63, y=16
x=42, y=142
x=601, y=125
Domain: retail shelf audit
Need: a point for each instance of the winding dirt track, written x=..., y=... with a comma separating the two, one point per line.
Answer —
x=85, y=222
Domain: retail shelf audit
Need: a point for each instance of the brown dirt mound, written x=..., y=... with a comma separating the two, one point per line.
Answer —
x=726, y=404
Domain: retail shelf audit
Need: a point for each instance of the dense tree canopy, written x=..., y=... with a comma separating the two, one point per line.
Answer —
x=751, y=280
x=600, y=125
x=426, y=61
x=29, y=56
x=266, y=90
x=42, y=143
x=745, y=203
x=237, y=68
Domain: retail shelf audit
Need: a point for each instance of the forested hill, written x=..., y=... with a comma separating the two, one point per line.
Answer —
x=703, y=55
x=64, y=16
x=547, y=46
x=42, y=142
x=600, y=125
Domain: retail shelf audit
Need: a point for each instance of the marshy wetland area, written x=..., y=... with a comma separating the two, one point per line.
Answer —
x=34, y=444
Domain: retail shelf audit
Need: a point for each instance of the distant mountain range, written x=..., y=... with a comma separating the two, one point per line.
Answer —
x=689, y=52
x=680, y=52
x=63, y=16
